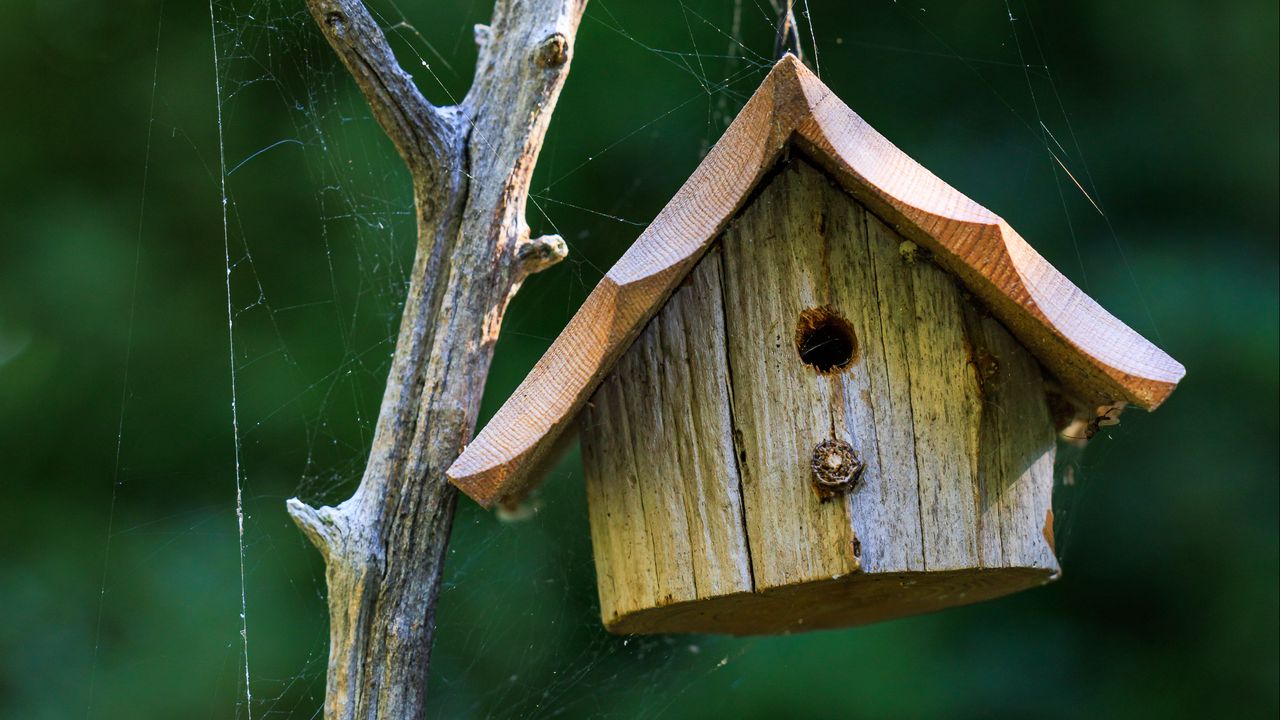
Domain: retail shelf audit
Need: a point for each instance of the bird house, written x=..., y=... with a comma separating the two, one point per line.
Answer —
x=822, y=389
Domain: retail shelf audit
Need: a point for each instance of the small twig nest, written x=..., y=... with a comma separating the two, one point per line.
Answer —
x=836, y=469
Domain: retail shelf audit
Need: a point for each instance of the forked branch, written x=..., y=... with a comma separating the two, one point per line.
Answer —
x=415, y=125
x=471, y=165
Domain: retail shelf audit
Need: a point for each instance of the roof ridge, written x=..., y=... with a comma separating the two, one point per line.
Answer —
x=1100, y=359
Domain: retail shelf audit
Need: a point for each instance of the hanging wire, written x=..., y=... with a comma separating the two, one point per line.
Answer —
x=788, y=38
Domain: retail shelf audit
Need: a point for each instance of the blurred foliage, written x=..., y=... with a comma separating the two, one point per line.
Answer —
x=1168, y=529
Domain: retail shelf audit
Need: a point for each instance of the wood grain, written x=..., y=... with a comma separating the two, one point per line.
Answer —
x=877, y=404
x=695, y=393
x=923, y=331
x=851, y=600
x=775, y=268
x=662, y=483
x=947, y=410
x=1095, y=357
x=471, y=164
x=1016, y=450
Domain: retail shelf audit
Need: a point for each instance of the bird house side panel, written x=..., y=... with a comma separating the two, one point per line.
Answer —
x=1016, y=455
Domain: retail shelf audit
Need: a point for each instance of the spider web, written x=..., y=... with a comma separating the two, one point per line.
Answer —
x=519, y=632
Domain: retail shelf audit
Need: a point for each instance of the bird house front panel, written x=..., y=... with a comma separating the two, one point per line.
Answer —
x=820, y=428
x=802, y=400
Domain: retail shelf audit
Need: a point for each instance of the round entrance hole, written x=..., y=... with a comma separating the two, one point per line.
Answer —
x=825, y=340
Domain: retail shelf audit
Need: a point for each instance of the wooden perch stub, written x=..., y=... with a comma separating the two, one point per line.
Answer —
x=1097, y=359
x=836, y=468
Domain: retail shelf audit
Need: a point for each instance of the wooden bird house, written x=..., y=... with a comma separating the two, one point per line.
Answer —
x=823, y=388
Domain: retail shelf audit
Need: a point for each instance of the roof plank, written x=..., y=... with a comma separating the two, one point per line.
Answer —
x=1095, y=356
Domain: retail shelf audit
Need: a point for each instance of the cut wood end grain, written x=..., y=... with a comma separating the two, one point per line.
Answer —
x=851, y=600
x=1097, y=359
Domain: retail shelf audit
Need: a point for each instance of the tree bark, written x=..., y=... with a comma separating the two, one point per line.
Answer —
x=471, y=165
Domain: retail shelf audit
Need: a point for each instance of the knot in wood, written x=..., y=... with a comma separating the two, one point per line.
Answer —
x=554, y=51
x=336, y=21
x=987, y=367
x=540, y=253
x=909, y=251
x=836, y=468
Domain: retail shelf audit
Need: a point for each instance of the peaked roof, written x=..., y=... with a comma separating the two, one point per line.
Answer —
x=1097, y=358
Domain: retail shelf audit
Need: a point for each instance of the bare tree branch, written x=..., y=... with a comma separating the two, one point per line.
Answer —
x=413, y=124
x=471, y=165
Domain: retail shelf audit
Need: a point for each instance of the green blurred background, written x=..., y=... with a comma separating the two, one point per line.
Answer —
x=119, y=574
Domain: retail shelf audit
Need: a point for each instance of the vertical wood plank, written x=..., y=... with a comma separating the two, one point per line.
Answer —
x=618, y=510
x=776, y=268
x=654, y=436
x=1017, y=449
x=663, y=488
x=695, y=396
x=923, y=322
x=885, y=509
x=600, y=515
x=991, y=484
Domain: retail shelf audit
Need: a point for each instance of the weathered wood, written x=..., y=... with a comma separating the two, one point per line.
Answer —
x=775, y=268
x=665, y=505
x=655, y=472
x=946, y=409
x=1097, y=358
x=854, y=599
x=470, y=166
x=1015, y=457
x=615, y=497
x=692, y=336
x=877, y=406
x=923, y=329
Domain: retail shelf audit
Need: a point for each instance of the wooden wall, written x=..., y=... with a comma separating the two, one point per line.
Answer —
x=698, y=447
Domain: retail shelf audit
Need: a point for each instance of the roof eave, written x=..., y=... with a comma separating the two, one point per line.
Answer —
x=1099, y=359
